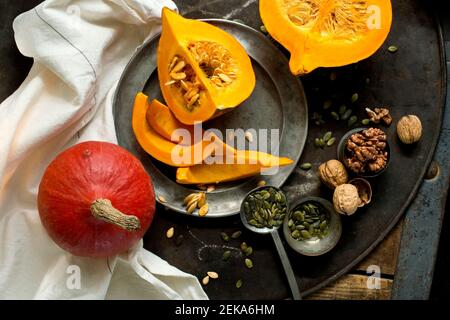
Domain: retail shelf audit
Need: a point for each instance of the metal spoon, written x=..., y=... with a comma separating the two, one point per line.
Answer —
x=278, y=244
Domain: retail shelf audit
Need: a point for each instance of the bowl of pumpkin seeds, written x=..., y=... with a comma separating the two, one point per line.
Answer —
x=312, y=227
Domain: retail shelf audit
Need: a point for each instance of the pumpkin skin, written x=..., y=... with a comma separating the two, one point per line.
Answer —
x=315, y=39
x=184, y=38
x=246, y=163
x=79, y=176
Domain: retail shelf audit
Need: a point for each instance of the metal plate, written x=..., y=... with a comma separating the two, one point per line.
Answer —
x=278, y=102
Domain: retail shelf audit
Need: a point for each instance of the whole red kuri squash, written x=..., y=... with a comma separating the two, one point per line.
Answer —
x=96, y=199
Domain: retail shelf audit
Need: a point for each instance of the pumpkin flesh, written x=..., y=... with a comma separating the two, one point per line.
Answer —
x=327, y=33
x=202, y=69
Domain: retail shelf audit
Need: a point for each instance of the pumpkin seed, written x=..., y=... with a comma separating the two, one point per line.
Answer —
x=354, y=97
x=290, y=223
x=239, y=283
x=248, y=263
x=236, y=234
x=334, y=115
x=179, y=240
x=203, y=210
x=248, y=251
x=205, y=280
x=323, y=224
x=342, y=109
x=305, y=234
x=331, y=142
x=210, y=188
x=192, y=207
x=306, y=166
x=327, y=136
x=226, y=255
x=296, y=234
x=263, y=29
x=365, y=122
x=347, y=114
x=162, y=199
x=392, y=49
x=327, y=104
x=261, y=183
x=201, y=200
x=352, y=121
x=189, y=197
x=212, y=274
x=317, y=142
x=224, y=236
x=170, y=232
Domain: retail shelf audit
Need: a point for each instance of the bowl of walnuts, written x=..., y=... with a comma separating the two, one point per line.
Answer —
x=365, y=151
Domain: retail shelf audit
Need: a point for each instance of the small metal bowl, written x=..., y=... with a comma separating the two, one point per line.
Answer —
x=341, y=154
x=263, y=230
x=315, y=246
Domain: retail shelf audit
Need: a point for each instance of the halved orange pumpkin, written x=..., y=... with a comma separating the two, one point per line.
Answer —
x=327, y=33
x=202, y=69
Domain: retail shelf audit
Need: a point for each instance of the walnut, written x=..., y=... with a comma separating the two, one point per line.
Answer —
x=332, y=173
x=346, y=199
x=380, y=114
x=366, y=151
x=409, y=129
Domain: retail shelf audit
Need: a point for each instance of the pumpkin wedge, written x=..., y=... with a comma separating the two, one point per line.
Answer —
x=245, y=164
x=327, y=33
x=159, y=147
x=162, y=120
x=202, y=69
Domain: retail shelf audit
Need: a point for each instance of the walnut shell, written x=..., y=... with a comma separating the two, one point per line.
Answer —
x=346, y=199
x=409, y=129
x=332, y=173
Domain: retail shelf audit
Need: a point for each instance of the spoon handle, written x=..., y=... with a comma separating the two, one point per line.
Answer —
x=286, y=266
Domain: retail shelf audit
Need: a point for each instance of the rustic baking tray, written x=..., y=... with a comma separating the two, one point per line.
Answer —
x=409, y=81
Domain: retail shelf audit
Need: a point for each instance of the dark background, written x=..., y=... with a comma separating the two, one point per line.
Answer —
x=14, y=68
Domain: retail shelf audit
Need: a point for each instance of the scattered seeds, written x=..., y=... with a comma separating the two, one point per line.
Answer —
x=365, y=122
x=354, y=98
x=346, y=114
x=244, y=246
x=248, y=251
x=162, y=199
x=190, y=209
x=236, y=234
x=226, y=255
x=306, y=166
x=239, y=283
x=392, y=49
x=210, y=188
x=179, y=240
x=334, y=115
x=205, y=280
x=261, y=183
x=213, y=275
x=319, y=142
x=203, y=210
x=327, y=136
x=342, y=109
x=327, y=104
x=224, y=236
x=331, y=142
x=352, y=120
x=248, y=263
x=263, y=29
x=170, y=232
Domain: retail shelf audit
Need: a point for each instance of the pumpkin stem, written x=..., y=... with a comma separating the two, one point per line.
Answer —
x=103, y=209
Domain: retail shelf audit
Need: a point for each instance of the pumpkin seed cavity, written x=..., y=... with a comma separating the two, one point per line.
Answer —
x=343, y=19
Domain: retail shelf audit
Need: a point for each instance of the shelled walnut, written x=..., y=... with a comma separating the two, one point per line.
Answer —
x=366, y=151
x=380, y=114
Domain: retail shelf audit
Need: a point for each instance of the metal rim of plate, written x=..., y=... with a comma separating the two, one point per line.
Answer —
x=293, y=107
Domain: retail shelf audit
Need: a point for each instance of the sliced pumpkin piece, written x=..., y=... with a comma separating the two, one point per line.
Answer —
x=159, y=147
x=162, y=120
x=245, y=164
x=327, y=33
x=202, y=69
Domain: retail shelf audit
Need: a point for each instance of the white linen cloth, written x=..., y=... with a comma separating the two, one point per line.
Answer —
x=80, y=49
